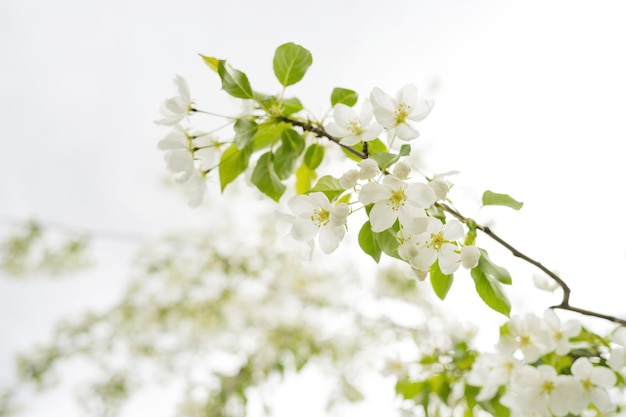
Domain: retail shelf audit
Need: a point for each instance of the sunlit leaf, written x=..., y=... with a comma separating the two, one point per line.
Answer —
x=494, y=199
x=344, y=96
x=266, y=179
x=291, y=62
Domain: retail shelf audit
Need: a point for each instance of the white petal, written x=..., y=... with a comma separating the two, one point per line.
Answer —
x=339, y=214
x=453, y=230
x=373, y=192
x=343, y=114
x=421, y=110
x=303, y=229
x=420, y=194
x=603, y=377
x=321, y=201
x=372, y=131
x=301, y=205
x=337, y=131
x=350, y=140
x=329, y=238
x=382, y=216
x=449, y=258
x=425, y=258
x=406, y=132
x=407, y=95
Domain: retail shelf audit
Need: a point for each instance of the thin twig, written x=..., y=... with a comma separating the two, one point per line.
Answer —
x=564, y=305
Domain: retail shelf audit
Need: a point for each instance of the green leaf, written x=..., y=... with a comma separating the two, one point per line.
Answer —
x=245, y=129
x=234, y=82
x=384, y=159
x=440, y=282
x=329, y=186
x=388, y=242
x=368, y=242
x=291, y=62
x=314, y=156
x=232, y=163
x=266, y=179
x=291, y=106
x=494, y=199
x=492, y=270
x=405, y=150
x=304, y=178
x=287, y=154
x=490, y=291
x=268, y=133
x=344, y=96
x=412, y=390
x=212, y=62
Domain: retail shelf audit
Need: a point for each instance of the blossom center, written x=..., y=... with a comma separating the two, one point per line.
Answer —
x=397, y=199
x=320, y=217
x=547, y=387
x=436, y=240
x=355, y=127
x=402, y=112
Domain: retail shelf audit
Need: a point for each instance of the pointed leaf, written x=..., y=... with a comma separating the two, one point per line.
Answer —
x=314, y=156
x=490, y=291
x=212, y=62
x=329, y=186
x=291, y=62
x=343, y=96
x=384, y=159
x=234, y=82
x=440, y=282
x=368, y=242
x=388, y=242
x=492, y=270
x=266, y=179
x=245, y=129
x=405, y=150
x=232, y=163
x=494, y=199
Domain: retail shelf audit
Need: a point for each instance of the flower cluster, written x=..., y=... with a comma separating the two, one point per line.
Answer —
x=187, y=156
x=543, y=367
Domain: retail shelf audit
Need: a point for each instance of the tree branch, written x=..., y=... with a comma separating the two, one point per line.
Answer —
x=564, y=305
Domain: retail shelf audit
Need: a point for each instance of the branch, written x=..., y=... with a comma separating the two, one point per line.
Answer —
x=564, y=305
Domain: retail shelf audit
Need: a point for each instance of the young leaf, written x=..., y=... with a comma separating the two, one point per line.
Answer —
x=266, y=179
x=492, y=270
x=245, y=129
x=329, y=186
x=212, y=62
x=405, y=150
x=384, y=159
x=344, y=96
x=440, y=282
x=490, y=291
x=388, y=242
x=234, y=82
x=232, y=163
x=314, y=156
x=494, y=199
x=291, y=106
x=268, y=133
x=287, y=154
x=291, y=62
x=368, y=242
x=304, y=178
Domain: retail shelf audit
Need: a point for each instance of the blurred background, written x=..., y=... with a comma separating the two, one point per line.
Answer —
x=529, y=101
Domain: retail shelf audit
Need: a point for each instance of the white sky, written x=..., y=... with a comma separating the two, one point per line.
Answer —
x=529, y=101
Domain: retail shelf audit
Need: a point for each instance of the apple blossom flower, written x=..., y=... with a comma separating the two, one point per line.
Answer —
x=394, y=199
x=194, y=188
x=530, y=334
x=560, y=334
x=175, y=108
x=539, y=391
x=544, y=283
x=208, y=150
x=353, y=128
x=315, y=214
x=593, y=383
x=366, y=169
x=178, y=153
x=398, y=114
x=402, y=170
x=617, y=359
x=490, y=371
x=435, y=242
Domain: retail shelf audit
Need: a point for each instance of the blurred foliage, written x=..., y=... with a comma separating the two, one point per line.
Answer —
x=226, y=318
x=31, y=249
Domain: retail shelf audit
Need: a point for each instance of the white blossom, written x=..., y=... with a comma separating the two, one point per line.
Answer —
x=315, y=215
x=490, y=371
x=353, y=128
x=398, y=114
x=530, y=334
x=593, y=383
x=175, y=108
x=178, y=153
x=560, y=334
x=435, y=241
x=394, y=199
